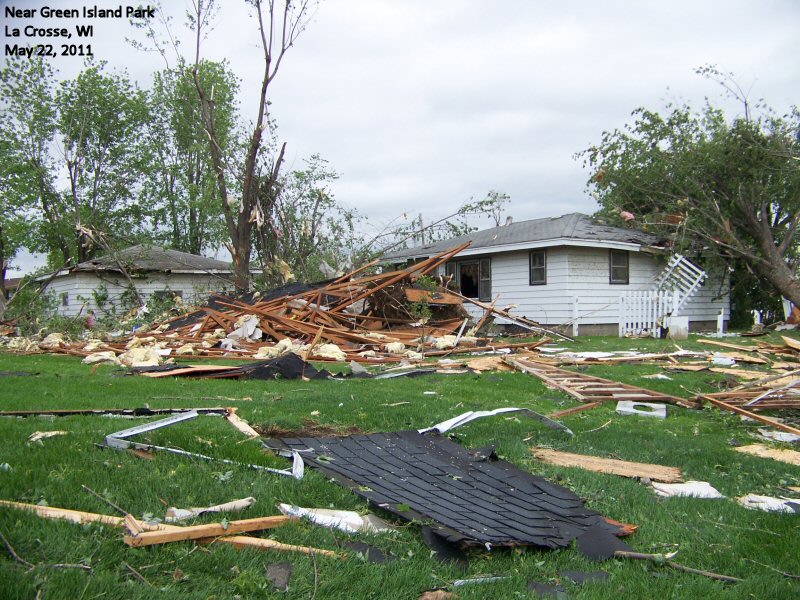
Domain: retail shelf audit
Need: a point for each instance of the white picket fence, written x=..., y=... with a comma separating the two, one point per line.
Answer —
x=643, y=311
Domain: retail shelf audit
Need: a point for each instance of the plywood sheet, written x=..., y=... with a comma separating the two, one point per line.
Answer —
x=612, y=466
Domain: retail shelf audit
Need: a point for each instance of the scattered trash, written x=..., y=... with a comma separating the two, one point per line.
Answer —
x=467, y=417
x=599, y=544
x=778, y=436
x=120, y=441
x=278, y=575
x=694, y=489
x=791, y=457
x=657, y=376
x=641, y=409
x=769, y=504
x=38, y=436
x=175, y=515
x=345, y=520
x=480, y=579
x=609, y=465
x=368, y=552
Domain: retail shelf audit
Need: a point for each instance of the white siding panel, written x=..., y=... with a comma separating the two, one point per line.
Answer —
x=80, y=288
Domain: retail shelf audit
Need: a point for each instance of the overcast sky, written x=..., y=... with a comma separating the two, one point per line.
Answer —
x=422, y=104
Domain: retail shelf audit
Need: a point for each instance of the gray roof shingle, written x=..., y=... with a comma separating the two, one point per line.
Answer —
x=154, y=258
x=574, y=226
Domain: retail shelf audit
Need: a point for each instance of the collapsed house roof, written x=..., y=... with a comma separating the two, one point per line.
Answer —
x=149, y=258
x=571, y=229
x=473, y=497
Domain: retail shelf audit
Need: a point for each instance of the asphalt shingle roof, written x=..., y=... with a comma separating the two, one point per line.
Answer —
x=576, y=226
x=154, y=258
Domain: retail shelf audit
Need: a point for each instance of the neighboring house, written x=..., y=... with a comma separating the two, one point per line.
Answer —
x=103, y=284
x=11, y=286
x=566, y=270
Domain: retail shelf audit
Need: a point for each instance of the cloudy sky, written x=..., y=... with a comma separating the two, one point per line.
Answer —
x=422, y=104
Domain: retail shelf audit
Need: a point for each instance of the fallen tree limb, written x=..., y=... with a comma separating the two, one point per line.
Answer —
x=664, y=559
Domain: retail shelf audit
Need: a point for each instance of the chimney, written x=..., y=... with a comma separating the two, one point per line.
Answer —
x=509, y=220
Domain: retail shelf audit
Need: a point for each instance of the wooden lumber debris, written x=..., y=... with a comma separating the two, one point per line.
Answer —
x=791, y=457
x=588, y=388
x=367, y=318
x=746, y=413
x=238, y=541
x=612, y=466
x=137, y=537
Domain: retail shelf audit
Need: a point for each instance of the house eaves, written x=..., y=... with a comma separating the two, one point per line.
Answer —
x=482, y=251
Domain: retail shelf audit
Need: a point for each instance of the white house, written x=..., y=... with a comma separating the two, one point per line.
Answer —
x=567, y=270
x=104, y=284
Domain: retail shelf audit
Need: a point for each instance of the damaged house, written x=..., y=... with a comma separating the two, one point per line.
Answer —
x=113, y=282
x=573, y=270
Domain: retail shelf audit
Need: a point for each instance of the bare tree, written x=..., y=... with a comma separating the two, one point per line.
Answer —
x=279, y=25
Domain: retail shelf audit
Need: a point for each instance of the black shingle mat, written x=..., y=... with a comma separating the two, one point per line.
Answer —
x=473, y=500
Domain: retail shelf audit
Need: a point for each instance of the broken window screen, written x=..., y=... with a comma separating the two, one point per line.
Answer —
x=538, y=267
x=618, y=267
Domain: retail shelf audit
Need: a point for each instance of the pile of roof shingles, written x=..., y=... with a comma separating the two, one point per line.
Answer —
x=365, y=318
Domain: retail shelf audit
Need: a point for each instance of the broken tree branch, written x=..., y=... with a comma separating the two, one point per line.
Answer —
x=664, y=559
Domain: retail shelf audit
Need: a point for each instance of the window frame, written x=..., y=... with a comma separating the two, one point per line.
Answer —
x=612, y=266
x=543, y=267
x=453, y=268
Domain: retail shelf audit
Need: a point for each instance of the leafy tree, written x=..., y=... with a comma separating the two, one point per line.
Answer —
x=90, y=183
x=247, y=194
x=308, y=229
x=455, y=224
x=726, y=190
x=183, y=184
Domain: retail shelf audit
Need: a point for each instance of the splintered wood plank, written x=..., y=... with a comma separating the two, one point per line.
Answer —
x=611, y=466
x=791, y=457
x=190, y=370
x=238, y=541
x=197, y=532
x=752, y=415
x=575, y=409
x=415, y=295
x=588, y=388
x=731, y=346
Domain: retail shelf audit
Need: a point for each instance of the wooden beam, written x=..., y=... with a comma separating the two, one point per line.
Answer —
x=752, y=415
x=238, y=541
x=612, y=466
x=197, y=532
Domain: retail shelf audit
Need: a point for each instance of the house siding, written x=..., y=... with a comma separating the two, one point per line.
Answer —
x=80, y=286
x=583, y=273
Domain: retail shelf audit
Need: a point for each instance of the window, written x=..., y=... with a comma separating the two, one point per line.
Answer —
x=538, y=267
x=65, y=299
x=618, y=271
x=473, y=277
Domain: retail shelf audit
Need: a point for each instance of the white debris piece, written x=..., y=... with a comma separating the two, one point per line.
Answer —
x=643, y=409
x=770, y=504
x=693, y=489
x=330, y=351
x=777, y=436
x=181, y=514
x=141, y=357
x=101, y=357
x=345, y=520
x=395, y=347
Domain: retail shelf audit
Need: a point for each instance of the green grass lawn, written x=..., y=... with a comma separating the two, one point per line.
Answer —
x=715, y=535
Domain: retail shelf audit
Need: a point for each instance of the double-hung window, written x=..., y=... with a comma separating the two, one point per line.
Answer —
x=618, y=267
x=473, y=277
x=537, y=262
